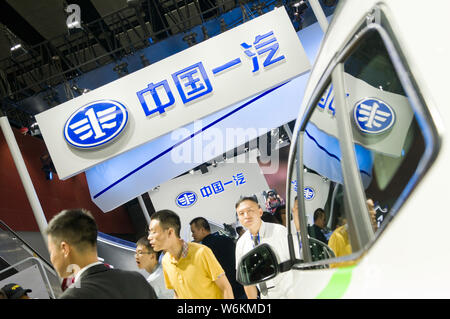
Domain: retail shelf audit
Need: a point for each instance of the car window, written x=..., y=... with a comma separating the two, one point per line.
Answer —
x=321, y=209
x=387, y=130
x=388, y=141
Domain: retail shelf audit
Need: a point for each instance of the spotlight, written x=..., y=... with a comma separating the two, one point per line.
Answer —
x=16, y=47
x=190, y=39
x=299, y=7
x=78, y=90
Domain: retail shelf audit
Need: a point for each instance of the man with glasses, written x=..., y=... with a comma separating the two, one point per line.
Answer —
x=249, y=214
x=148, y=259
x=190, y=269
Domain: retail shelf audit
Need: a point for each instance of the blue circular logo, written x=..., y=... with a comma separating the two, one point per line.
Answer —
x=186, y=199
x=95, y=124
x=309, y=193
x=373, y=116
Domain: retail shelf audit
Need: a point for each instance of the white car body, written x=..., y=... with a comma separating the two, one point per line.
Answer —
x=410, y=258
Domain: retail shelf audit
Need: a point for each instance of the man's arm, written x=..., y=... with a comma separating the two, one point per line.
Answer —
x=224, y=285
x=251, y=292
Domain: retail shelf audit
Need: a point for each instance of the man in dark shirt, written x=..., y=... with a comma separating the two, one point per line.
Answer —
x=72, y=243
x=315, y=230
x=223, y=248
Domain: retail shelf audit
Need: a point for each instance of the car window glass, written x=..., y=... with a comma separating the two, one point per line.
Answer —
x=389, y=146
x=388, y=141
x=323, y=184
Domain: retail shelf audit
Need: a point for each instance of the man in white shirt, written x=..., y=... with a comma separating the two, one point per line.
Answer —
x=148, y=259
x=72, y=243
x=249, y=214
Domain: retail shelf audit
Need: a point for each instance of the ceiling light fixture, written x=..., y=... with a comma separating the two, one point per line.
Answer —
x=78, y=90
x=16, y=47
x=299, y=7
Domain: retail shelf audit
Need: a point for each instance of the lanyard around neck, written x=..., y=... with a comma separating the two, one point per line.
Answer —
x=255, y=239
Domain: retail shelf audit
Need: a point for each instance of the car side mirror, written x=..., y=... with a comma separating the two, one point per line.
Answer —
x=258, y=265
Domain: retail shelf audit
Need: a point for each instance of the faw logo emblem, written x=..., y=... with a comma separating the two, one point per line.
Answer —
x=309, y=193
x=95, y=124
x=186, y=199
x=373, y=116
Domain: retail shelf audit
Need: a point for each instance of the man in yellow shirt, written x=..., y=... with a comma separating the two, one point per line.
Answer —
x=339, y=241
x=190, y=269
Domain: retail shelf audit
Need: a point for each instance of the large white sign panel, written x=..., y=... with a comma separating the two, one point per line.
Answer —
x=153, y=101
x=211, y=195
x=128, y=175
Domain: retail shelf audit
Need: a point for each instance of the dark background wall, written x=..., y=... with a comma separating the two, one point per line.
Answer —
x=54, y=195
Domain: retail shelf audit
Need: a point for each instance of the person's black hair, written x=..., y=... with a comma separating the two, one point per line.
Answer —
x=252, y=198
x=318, y=212
x=143, y=241
x=76, y=227
x=201, y=222
x=168, y=219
